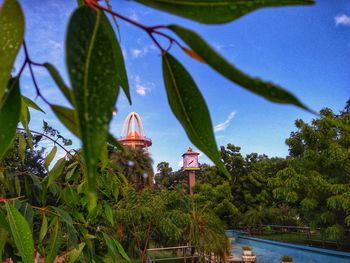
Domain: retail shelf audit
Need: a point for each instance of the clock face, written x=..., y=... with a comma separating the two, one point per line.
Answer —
x=191, y=162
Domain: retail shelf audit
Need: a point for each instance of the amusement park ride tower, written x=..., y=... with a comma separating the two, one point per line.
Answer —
x=133, y=134
x=190, y=165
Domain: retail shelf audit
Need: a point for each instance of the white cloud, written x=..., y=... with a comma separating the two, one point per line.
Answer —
x=136, y=53
x=223, y=126
x=143, y=88
x=220, y=47
x=343, y=20
x=180, y=163
x=133, y=15
x=141, y=52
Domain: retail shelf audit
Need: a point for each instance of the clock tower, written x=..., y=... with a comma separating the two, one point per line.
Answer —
x=190, y=165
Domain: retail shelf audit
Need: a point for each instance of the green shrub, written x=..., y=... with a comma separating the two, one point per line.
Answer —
x=287, y=259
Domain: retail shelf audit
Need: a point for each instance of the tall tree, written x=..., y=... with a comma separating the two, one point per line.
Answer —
x=317, y=178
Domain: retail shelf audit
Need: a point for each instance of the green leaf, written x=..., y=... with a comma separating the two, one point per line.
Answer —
x=11, y=38
x=27, y=212
x=64, y=216
x=56, y=171
x=114, y=142
x=95, y=76
x=25, y=119
x=43, y=229
x=3, y=240
x=10, y=110
x=31, y=104
x=80, y=2
x=71, y=170
x=22, y=146
x=189, y=107
x=264, y=89
x=25, y=115
x=75, y=253
x=121, y=250
x=3, y=222
x=28, y=102
x=53, y=244
x=112, y=252
x=104, y=157
x=21, y=233
x=17, y=186
x=60, y=82
x=50, y=157
x=68, y=118
x=109, y=214
x=216, y=11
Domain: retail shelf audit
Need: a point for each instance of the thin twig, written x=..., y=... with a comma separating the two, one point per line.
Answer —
x=30, y=63
x=48, y=137
x=150, y=30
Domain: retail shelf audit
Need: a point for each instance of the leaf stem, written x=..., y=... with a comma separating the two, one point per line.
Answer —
x=150, y=30
x=30, y=63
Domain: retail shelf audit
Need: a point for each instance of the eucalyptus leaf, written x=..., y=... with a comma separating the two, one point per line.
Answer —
x=43, y=229
x=10, y=110
x=27, y=212
x=21, y=233
x=56, y=171
x=17, y=186
x=216, y=11
x=11, y=38
x=3, y=222
x=68, y=118
x=53, y=244
x=25, y=115
x=109, y=214
x=75, y=253
x=50, y=157
x=121, y=250
x=3, y=240
x=64, y=216
x=60, y=82
x=112, y=252
x=80, y=2
x=189, y=107
x=95, y=76
x=22, y=146
x=114, y=142
x=262, y=88
x=71, y=171
x=27, y=101
x=25, y=119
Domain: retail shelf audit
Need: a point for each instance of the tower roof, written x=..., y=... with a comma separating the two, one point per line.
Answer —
x=133, y=133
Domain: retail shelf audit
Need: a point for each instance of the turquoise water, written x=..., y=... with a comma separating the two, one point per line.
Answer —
x=271, y=251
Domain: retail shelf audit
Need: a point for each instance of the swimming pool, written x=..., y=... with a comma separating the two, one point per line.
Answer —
x=268, y=251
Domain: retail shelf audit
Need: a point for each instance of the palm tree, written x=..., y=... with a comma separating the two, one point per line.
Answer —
x=206, y=232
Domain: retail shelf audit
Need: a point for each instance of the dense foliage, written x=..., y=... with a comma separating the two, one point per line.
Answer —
x=316, y=180
x=71, y=207
x=131, y=215
x=310, y=187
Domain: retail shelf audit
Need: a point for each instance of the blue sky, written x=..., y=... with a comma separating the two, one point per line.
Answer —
x=304, y=49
